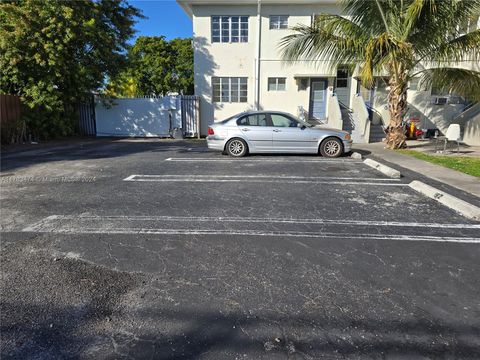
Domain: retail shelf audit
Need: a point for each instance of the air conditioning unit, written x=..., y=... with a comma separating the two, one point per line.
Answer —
x=440, y=100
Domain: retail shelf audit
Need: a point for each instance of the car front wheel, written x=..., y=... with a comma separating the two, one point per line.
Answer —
x=331, y=147
x=236, y=148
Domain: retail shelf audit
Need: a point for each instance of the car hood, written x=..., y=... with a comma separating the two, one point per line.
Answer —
x=323, y=128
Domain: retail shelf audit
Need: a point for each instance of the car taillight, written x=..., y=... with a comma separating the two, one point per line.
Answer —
x=210, y=131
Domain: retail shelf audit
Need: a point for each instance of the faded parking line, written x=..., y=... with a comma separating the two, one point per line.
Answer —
x=237, y=226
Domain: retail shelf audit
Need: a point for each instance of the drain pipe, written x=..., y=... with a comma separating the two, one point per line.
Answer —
x=257, y=60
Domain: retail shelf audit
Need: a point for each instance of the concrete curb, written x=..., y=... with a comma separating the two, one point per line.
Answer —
x=466, y=209
x=383, y=168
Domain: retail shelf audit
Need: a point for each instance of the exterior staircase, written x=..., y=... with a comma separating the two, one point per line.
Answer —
x=348, y=124
x=347, y=118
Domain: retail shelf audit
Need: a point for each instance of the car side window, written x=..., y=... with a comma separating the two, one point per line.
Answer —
x=253, y=120
x=283, y=121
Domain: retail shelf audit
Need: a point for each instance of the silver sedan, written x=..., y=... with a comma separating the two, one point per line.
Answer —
x=275, y=132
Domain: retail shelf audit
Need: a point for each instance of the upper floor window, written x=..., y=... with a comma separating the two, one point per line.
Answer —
x=229, y=29
x=278, y=21
x=229, y=89
x=276, y=84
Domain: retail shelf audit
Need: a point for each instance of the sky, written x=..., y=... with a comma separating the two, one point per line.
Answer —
x=163, y=17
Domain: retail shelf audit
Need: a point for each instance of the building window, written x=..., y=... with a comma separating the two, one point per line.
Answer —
x=342, y=78
x=278, y=22
x=229, y=89
x=229, y=29
x=276, y=84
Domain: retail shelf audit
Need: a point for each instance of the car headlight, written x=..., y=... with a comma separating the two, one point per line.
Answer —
x=347, y=137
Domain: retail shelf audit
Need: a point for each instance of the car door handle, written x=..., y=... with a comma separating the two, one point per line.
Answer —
x=245, y=129
x=276, y=130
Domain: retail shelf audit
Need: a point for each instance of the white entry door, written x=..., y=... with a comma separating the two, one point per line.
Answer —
x=318, y=99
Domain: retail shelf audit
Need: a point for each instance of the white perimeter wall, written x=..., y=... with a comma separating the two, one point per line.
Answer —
x=137, y=117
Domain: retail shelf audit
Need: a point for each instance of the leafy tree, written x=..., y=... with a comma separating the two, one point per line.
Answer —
x=124, y=85
x=183, y=65
x=53, y=53
x=151, y=60
x=156, y=66
x=402, y=38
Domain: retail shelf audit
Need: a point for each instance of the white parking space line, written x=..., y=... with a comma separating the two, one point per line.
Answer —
x=272, y=181
x=131, y=177
x=214, y=219
x=263, y=179
x=288, y=177
x=266, y=160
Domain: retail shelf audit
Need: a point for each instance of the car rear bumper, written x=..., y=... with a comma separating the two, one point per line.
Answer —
x=347, y=145
x=215, y=144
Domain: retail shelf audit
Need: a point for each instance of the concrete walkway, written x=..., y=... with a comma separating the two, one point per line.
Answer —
x=464, y=182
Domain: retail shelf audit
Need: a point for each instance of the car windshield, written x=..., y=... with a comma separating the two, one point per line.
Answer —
x=303, y=123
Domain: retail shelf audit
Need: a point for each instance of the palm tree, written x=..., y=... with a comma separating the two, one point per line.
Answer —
x=400, y=38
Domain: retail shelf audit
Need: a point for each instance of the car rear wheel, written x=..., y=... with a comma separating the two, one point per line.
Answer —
x=236, y=147
x=331, y=147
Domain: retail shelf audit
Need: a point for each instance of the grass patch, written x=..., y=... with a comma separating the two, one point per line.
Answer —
x=467, y=165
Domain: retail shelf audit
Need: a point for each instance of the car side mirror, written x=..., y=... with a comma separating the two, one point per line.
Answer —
x=301, y=126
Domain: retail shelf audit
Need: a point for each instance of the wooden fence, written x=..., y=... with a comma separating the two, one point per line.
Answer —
x=13, y=130
x=9, y=108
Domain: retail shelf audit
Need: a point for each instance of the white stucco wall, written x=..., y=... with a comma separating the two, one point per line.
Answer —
x=139, y=117
x=238, y=60
x=471, y=132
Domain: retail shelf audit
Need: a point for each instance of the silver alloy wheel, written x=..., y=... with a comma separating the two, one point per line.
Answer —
x=236, y=147
x=332, y=148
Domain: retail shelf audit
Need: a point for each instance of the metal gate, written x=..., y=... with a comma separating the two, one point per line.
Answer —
x=190, y=115
x=86, y=118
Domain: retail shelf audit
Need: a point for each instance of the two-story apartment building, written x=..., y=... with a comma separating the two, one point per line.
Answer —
x=238, y=67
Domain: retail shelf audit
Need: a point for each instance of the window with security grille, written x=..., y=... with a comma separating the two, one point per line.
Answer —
x=229, y=29
x=229, y=89
x=276, y=84
x=278, y=22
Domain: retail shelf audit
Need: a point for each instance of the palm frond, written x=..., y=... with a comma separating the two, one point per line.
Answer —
x=453, y=80
x=331, y=37
x=465, y=47
x=439, y=23
x=413, y=13
x=367, y=14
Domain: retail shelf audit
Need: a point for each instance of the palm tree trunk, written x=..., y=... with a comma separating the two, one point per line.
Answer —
x=397, y=105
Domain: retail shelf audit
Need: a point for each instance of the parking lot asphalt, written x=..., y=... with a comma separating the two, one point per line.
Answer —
x=161, y=249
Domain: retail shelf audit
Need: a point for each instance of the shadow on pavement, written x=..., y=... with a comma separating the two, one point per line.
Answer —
x=99, y=149
x=76, y=332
